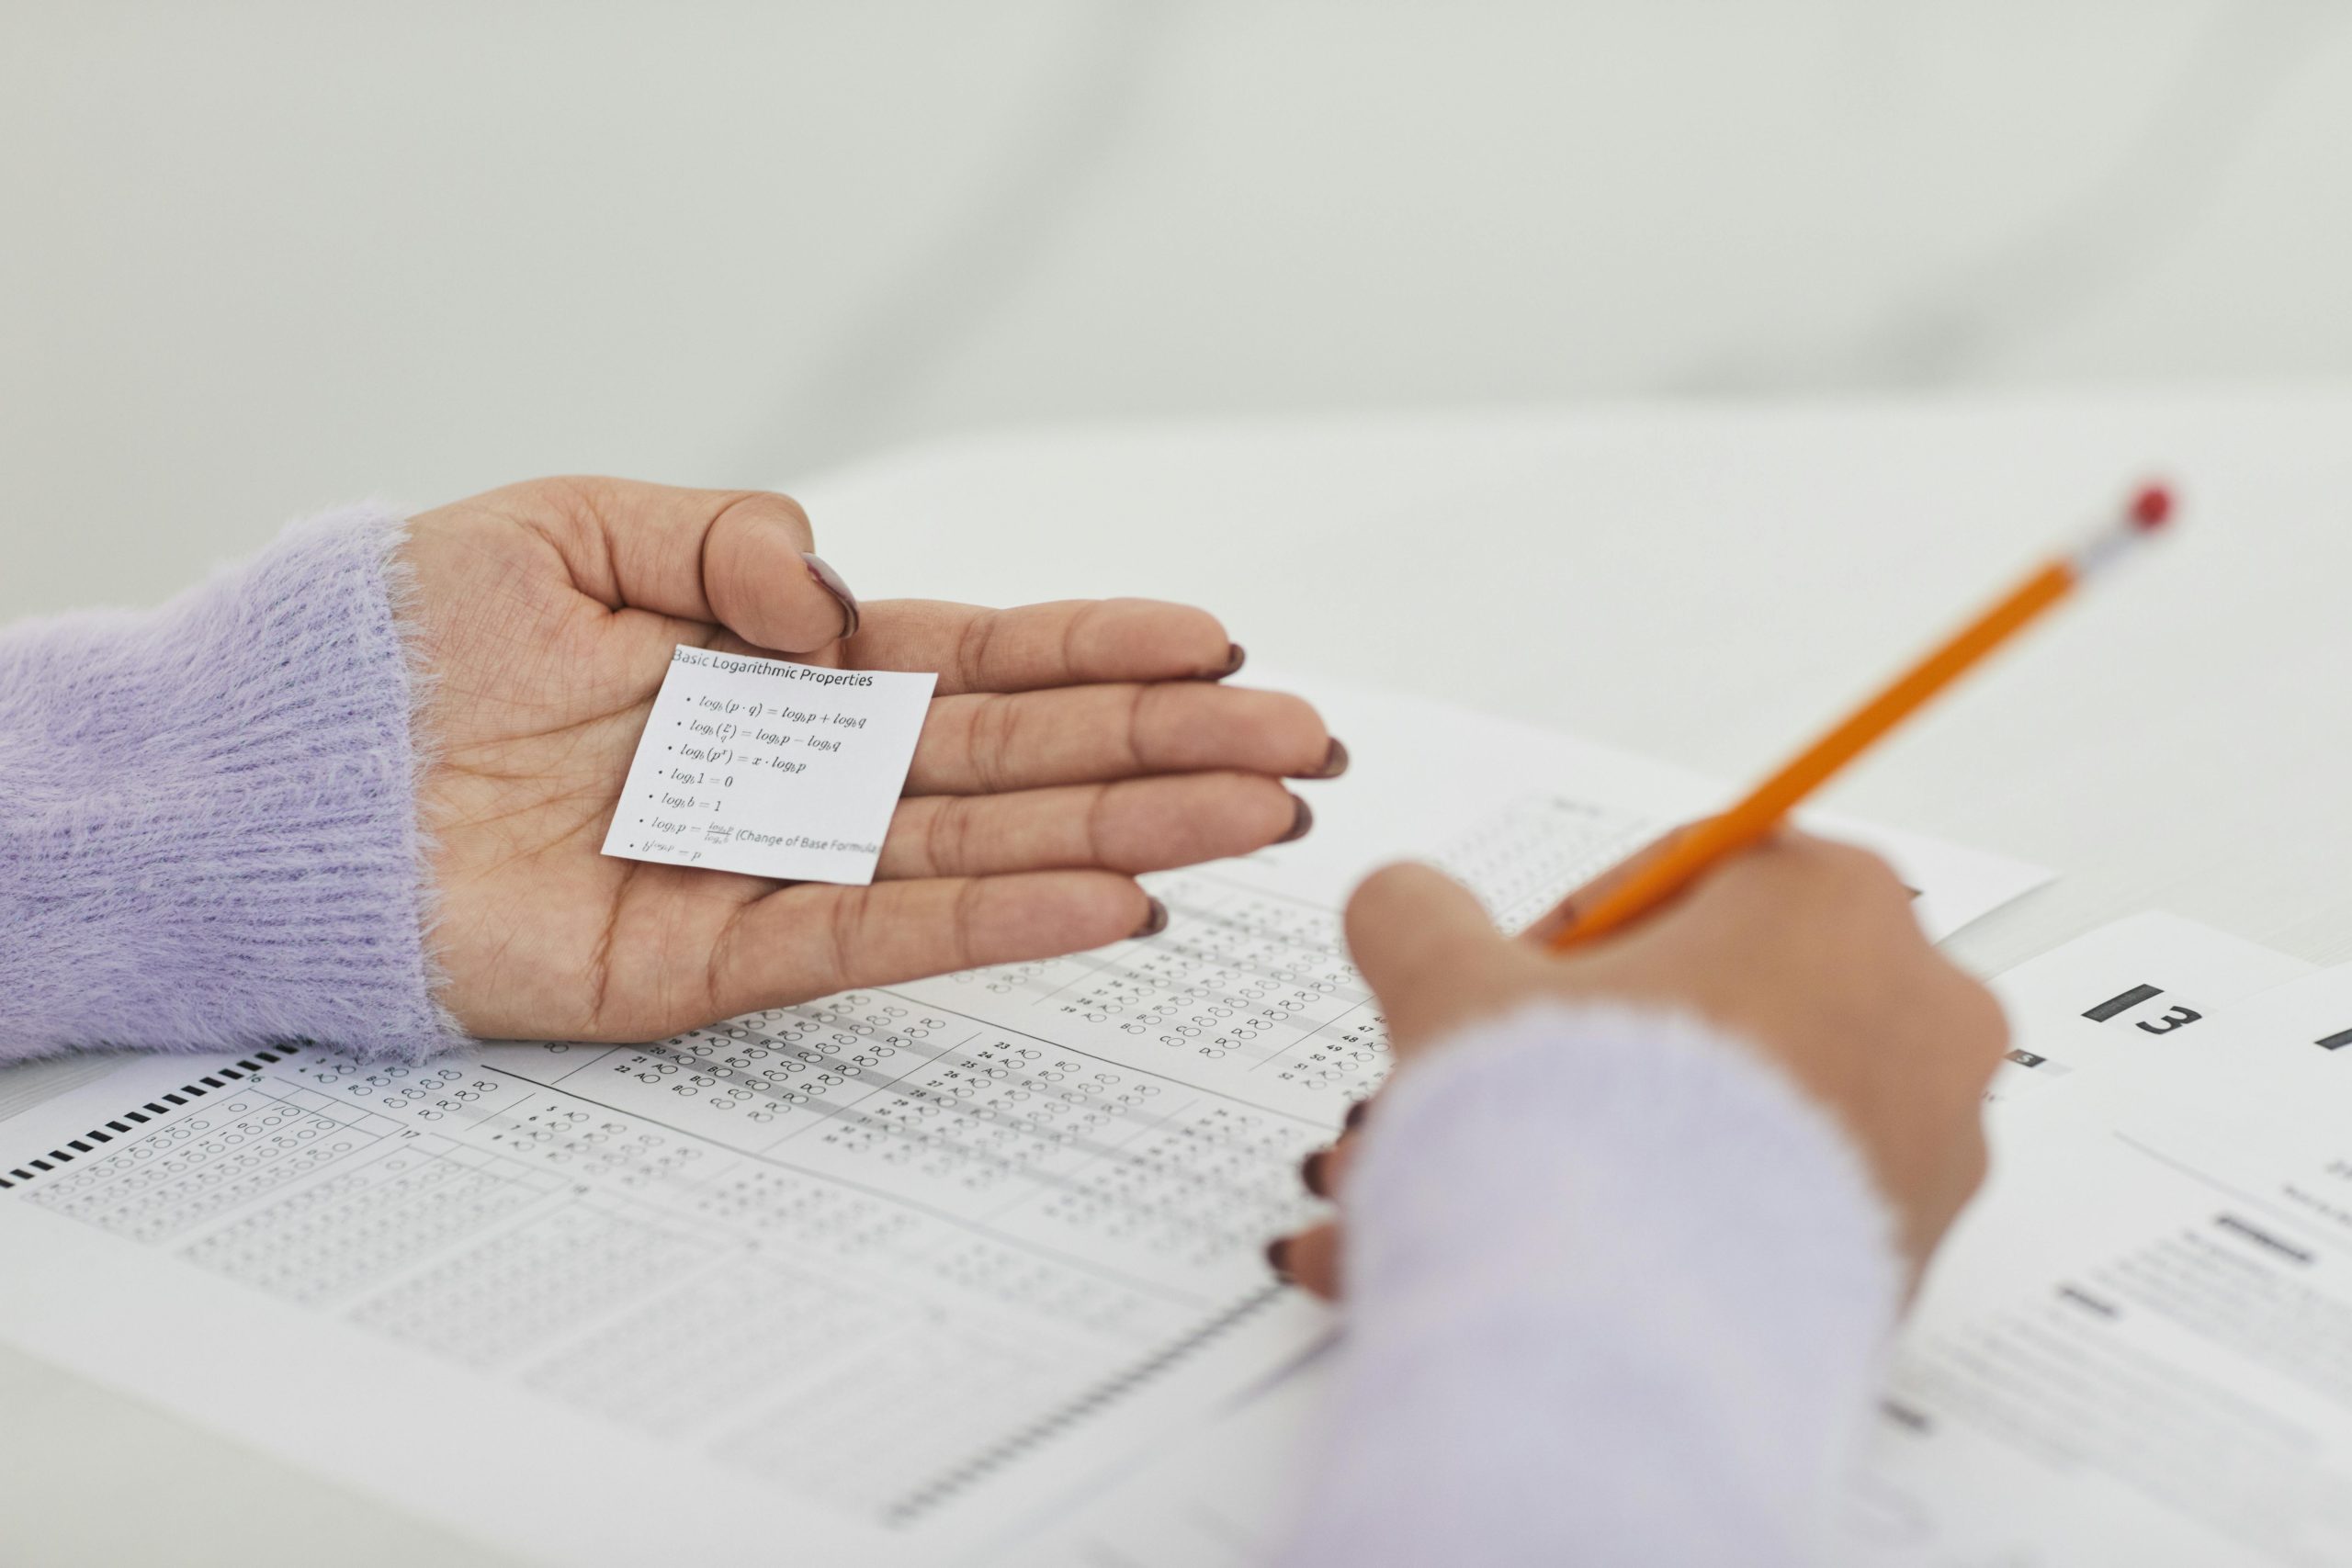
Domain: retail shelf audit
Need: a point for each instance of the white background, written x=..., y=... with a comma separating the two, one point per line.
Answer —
x=258, y=257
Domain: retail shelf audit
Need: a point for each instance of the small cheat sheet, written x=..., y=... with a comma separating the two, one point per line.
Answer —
x=770, y=768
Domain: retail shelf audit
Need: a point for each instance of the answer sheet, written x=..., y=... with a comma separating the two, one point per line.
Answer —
x=1219, y=1496
x=2139, y=1347
x=892, y=1276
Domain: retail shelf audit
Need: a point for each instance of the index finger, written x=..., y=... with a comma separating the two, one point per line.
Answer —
x=1073, y=642
x=1430, y=953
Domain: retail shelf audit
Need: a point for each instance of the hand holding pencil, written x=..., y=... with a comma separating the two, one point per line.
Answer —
x=1800, y=953
x=1746, y=951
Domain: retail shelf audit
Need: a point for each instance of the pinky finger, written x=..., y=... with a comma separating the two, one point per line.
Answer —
x=1324, y=1173
x=1309, y=1260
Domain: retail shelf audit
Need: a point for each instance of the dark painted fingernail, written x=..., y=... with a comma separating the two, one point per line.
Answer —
x=1335, y=761
x=1154, y=921
x=1315, y=1171
x=1301, y=820
x=830, y=581
x=1356, y=1113
x=1234, y=659
x=1278, y=1258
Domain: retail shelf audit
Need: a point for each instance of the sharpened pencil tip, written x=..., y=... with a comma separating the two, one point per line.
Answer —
x=2152, y=508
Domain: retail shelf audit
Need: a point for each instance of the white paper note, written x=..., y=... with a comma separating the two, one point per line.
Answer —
x=771, y=768
x=888, y=1276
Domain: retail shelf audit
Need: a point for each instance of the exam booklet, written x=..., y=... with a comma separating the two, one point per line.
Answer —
x=2138, y=1347
x=905, y=1274
x=1979, y=1455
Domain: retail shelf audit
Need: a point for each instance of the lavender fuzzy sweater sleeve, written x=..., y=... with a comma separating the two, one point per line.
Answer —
x=1616, y=1294
x=207, y=824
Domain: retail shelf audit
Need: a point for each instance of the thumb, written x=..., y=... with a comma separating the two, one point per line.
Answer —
x=742, y=558
x=766, y=583
x=1427, y=949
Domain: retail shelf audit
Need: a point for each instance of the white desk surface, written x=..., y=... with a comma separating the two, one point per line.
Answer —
x=1706, y=585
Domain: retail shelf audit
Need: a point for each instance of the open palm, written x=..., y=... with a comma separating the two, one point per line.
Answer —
x=1070, y=747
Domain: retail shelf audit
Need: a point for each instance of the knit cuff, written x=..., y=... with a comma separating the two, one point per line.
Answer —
x=209, y=835
x=1564, y=1123
x=1617, y=1292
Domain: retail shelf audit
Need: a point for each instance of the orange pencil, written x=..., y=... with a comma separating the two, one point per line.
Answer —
x=1703, y=843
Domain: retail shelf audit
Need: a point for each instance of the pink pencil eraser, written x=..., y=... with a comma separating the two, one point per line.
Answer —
x=2152, y=508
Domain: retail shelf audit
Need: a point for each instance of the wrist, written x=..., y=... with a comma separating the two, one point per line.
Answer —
x=210, y=839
